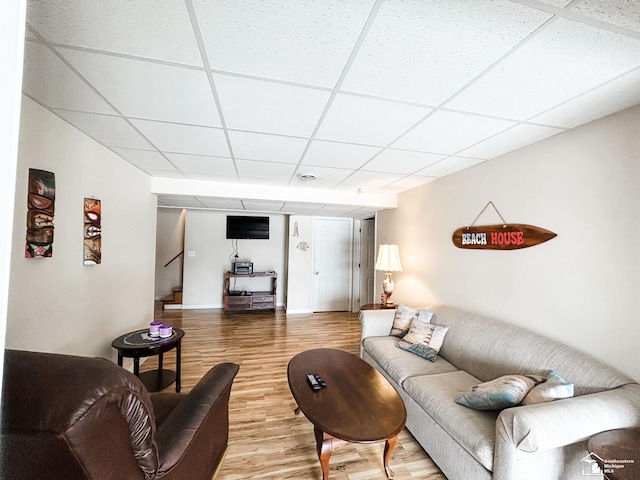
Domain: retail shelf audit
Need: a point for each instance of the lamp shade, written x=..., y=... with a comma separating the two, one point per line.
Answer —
x=389, y=259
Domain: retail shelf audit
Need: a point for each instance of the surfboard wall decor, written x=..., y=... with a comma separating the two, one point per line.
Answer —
x=508, y=236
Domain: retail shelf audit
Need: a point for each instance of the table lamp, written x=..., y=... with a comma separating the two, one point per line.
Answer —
x=388, y=261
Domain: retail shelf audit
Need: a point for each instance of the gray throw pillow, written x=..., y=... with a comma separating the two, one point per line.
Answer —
x=503, y=392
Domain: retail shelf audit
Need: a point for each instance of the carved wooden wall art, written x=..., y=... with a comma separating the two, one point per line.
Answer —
x=507, y=236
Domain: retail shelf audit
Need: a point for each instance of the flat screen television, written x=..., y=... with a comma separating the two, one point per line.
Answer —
x=241, y=227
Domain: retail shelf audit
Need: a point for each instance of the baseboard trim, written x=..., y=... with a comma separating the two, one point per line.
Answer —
x=196, y=307
x=172, y=306
x=295, y=311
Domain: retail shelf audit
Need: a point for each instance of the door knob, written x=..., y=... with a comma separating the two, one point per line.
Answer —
x=317, y=273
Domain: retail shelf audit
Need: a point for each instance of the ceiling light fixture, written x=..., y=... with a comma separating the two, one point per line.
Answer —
x=307, y=177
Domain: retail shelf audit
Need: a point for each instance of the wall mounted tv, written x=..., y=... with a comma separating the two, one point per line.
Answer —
x=240, y=227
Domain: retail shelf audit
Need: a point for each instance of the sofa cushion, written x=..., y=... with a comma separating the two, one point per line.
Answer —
x=502, y=392
x=399, y=364
x=473, y=429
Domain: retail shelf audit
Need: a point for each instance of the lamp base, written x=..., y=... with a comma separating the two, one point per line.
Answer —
x=387, y=288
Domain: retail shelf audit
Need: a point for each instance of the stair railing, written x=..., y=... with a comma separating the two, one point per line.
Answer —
x=174, y=258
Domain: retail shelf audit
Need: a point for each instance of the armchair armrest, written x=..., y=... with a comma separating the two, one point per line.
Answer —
x=193, y=437
x=548, y=425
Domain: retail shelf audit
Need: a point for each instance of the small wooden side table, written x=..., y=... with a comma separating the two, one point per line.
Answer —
x=377, y=306
x=617, y=452
x=139, y=344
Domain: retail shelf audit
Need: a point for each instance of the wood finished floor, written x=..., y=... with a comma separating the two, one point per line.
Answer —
x=266, y=440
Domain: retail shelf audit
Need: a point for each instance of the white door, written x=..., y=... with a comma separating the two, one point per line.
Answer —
x=331, y=264
x=367, y=261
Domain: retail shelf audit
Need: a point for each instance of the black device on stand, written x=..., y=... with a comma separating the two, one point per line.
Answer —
x=243, y=268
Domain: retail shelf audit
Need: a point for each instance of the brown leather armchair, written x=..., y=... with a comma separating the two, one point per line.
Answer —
x=66, y=417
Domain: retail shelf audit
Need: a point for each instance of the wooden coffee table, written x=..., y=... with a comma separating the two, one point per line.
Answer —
x=357, y=405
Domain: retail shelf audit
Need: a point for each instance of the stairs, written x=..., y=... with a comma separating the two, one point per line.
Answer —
x=173, y=301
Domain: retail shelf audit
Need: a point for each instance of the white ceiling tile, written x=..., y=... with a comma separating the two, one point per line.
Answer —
x=264, y=205
x=202, y=164
x=301, y=208
x=108, y=130
x=214, y=177
x=180, y=201
x=512, y=139
x=409, y=182
x=145, y=159
x=425, y=51
x=566, y=57
x=336, y=210
x=221, y=203
x=341, y=155
x=623, y=13
x=368, y=121
x=149, y=90
x=611, y=97
x=68, y=91
x=273, y=148
x=448, y=132
x=269, y=107
x=372, y=179
x=325, y=175
x=162, y=32
x=249, y=168
x=304, y=42
x=401, y=161
x=448, y=166
x=275, y=66
x=164, y=173
x=173, y=137
x=555, y=3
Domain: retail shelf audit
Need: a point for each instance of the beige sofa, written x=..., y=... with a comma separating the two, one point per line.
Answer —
x=543, y=441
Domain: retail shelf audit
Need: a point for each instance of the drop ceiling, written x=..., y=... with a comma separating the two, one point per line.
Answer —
x=227, y=103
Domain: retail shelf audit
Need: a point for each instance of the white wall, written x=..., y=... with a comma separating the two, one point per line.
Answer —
x=300, y=274
x=205, y=240
x=169, y=242
x=580, y=287
x=58, y=304
x=12, y=17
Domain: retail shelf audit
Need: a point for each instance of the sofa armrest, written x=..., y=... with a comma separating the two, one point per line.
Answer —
x=376, y=323
x=193, y=437
x=563, y=422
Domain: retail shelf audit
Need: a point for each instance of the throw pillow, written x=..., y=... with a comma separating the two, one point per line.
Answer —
x=503, y=392
x=424, y=338
x=403, y=318
x=554, y=388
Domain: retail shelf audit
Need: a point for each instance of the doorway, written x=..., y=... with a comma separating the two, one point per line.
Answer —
x=367, y=261
x=332, y=261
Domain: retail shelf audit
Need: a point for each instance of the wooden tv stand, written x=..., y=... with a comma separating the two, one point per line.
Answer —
x=235, y=301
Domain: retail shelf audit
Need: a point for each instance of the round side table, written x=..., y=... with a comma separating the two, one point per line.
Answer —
x=378, y=306
x=140, y=344
x=617, y=453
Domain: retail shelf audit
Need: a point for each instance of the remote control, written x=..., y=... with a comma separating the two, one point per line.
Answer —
x=320, y=380
x=313, y=382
